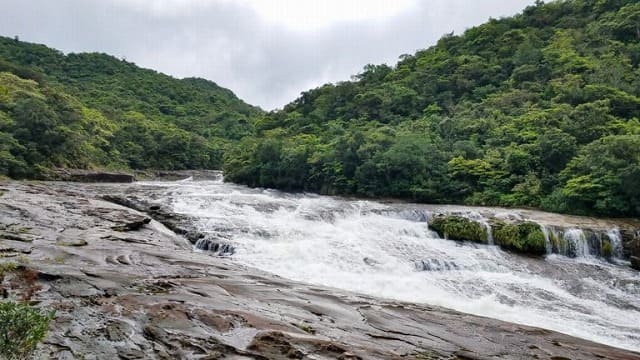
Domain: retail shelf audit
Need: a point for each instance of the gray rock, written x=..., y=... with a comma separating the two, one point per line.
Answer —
x=7, y=246
x=130, y=300
x=90, y=176
x=70, y=241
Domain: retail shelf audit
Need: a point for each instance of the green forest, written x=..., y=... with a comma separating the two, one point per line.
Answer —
x=538, y=110
x=93, y=110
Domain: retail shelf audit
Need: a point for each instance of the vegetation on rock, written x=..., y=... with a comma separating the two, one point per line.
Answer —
x=22, y=326
x=526, y=237
x=459, y=228
x=607, y=249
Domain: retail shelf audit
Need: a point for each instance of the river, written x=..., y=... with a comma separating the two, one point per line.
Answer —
x=387, y=250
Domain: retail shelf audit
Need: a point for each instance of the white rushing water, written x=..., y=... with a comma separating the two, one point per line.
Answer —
x=385, y=250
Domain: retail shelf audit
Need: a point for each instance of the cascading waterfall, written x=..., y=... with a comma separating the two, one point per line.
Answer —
x=388, y=250
x=576, y=242
x=616, y=242
x=547, y=239
x=484, y=222
x=579, y=243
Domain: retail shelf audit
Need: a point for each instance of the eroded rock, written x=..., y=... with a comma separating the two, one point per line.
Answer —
x=132, y=223
x=126, y=299
x=90, y=176
x=70, y=241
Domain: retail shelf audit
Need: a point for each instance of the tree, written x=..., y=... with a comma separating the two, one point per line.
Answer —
x=604, y=176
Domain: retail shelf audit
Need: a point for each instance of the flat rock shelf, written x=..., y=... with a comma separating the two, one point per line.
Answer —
x=125, y=286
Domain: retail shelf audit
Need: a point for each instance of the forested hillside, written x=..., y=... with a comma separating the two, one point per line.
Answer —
x=96, y=111
x=538, y=110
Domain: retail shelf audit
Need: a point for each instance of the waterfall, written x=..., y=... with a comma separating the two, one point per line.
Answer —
x=487, y=226
x=547, y=241
x=387, y=250
x=616, y=242
x=577, y=245
x=474, y=216
x=574, y=242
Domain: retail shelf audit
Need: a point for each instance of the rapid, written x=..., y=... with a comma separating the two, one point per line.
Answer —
x=387, y=250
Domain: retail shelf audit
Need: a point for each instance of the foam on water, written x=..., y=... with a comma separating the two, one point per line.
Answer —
x=380, y=250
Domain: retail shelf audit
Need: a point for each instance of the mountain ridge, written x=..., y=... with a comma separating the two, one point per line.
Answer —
x=536, y=110
x=128, y=117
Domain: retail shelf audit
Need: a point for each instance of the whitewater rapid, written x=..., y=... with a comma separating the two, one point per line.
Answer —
x=387, y=250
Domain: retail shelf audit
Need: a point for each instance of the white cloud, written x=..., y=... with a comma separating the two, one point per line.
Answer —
x=296, y=15
x=266, y=51
x=308, y=15
x=165, y=8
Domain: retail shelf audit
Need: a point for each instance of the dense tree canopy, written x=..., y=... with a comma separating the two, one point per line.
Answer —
x=541, y=109
x=93, y=110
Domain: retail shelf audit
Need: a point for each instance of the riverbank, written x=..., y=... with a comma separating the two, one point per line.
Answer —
x=124, y=286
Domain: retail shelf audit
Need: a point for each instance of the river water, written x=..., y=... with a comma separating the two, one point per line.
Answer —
x=387, y=250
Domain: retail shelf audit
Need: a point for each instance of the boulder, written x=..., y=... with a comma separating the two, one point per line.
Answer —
x=177, y=175
x=104, y=177
x=159, y=213
x=635, y=262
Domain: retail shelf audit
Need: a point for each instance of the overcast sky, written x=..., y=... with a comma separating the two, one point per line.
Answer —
x=266, y=51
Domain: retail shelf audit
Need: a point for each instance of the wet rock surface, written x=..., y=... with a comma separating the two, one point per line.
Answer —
x=91, y=176
x=172, y=175
x=514, y=230
x=145, y=294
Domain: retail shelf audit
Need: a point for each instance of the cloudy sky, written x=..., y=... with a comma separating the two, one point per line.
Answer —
x=266, y=51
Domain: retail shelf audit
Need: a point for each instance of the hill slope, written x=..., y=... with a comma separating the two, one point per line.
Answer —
x=540, y=109
x=93, y=110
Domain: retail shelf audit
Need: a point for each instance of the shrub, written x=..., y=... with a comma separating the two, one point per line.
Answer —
x=22, y=327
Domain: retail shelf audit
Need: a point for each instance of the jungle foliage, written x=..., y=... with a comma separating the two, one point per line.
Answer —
x=92, y=110
x=541, y=110
x=537, y=110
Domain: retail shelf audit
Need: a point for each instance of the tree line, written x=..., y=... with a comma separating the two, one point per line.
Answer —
x=536, y=110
